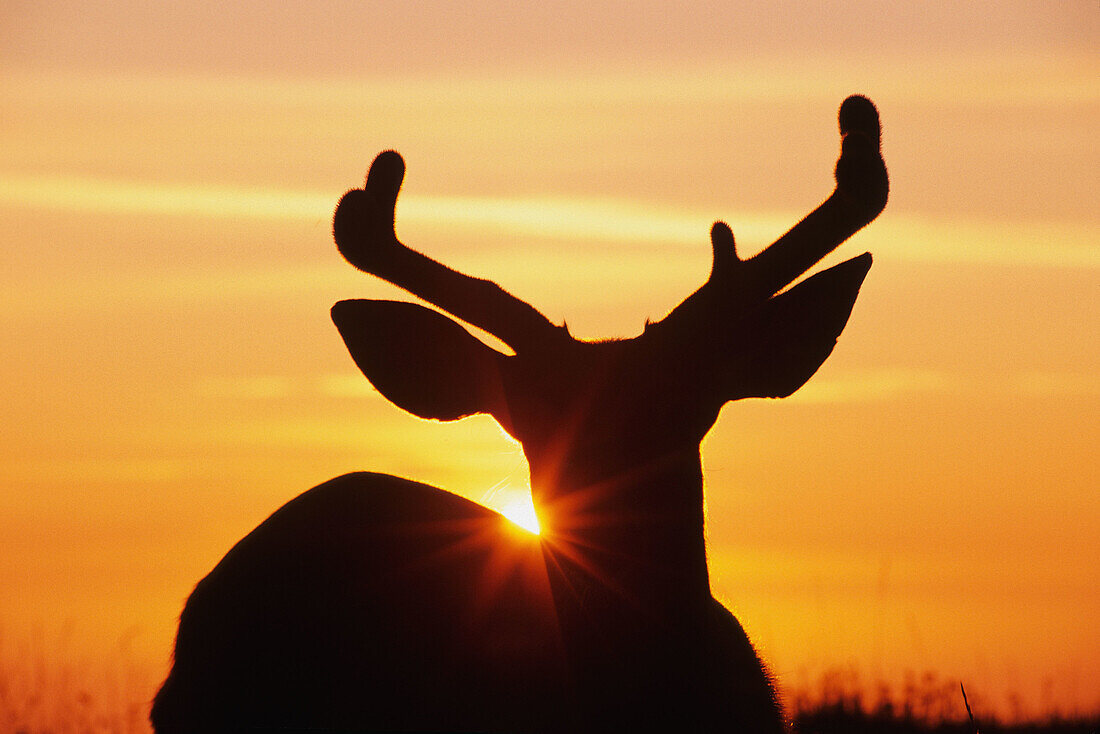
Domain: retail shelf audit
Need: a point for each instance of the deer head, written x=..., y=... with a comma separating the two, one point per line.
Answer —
x=588, y=412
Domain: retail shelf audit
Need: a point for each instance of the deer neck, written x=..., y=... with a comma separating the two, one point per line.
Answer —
x=628, y=531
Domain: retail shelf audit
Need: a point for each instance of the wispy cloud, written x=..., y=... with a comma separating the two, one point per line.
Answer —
x=280, y=387
x=976, y=241
x=346, y=386
x=1050, y=384
x=256, y=387
x=874, y=385
x=901, y=237
x=955, y=79
x=105, y=196
x=869, y=385
x=531, y=217
x=35, y=471
x=893, y=383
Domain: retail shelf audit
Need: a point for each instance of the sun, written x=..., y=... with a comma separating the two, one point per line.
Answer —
x=521, y=510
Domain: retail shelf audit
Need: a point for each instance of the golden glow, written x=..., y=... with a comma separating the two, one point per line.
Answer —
x=927, y=502
x=514, y=502
x=521, y=511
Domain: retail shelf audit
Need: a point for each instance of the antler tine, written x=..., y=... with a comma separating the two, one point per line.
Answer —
x=860, y=194
x=862, y=187
x=363, y=227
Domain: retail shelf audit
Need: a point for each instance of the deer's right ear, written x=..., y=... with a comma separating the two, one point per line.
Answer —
x=793, y=333
x=421, y=360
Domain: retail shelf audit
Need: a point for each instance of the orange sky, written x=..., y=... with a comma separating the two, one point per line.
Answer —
x=927, y=503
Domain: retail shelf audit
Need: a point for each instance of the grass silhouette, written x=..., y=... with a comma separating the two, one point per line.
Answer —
x=40, y=697
x=925, y=704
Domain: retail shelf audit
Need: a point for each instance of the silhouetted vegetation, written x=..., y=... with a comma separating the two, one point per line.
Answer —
x=925, y=704
x=39, y=698
x=849, y=718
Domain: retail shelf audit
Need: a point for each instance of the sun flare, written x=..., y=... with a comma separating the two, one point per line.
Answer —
x=521, y=511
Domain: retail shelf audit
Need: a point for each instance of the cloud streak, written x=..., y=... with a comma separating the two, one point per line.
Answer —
x=900, y=237
x=898, y=383
x=866, y=385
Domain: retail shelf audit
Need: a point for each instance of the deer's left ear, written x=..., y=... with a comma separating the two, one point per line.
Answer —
x=421, y=360
x=792, y=334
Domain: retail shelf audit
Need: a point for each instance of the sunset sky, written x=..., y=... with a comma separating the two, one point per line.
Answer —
x=928, y=502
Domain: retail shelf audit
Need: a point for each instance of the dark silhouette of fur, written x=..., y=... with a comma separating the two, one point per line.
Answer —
x=376, y=603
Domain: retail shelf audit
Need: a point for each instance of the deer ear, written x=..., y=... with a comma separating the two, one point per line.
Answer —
x=793, y=333
x=421, y=360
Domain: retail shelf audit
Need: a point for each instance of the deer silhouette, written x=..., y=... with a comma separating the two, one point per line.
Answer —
x=372, y=602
